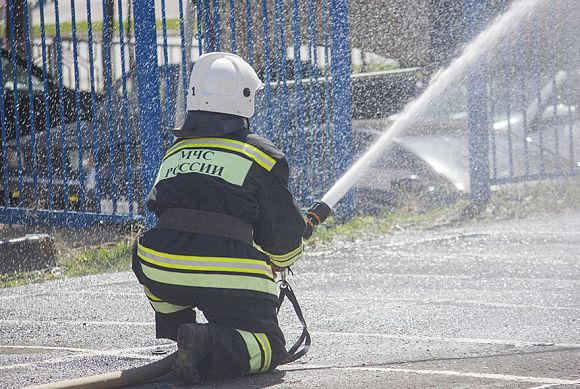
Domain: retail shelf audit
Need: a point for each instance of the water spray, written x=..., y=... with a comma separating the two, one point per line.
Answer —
x=502, y=26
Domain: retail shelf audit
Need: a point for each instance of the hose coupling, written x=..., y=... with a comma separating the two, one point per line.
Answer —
x=315, y=215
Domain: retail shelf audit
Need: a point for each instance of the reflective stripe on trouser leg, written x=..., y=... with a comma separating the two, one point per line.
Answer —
x=162, y=306
x=259, y=350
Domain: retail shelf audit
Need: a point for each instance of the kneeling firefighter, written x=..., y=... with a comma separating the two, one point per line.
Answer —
x=226, y=218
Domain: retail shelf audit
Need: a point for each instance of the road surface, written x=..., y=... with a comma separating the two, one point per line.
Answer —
x=482, y=305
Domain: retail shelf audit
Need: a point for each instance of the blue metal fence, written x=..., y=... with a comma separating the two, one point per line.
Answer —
x=525, y=123
x=88, y=96
x=90, y=88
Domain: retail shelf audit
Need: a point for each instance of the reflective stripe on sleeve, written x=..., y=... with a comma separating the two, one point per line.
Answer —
x=248, y=150
x=288, y=259
x=259, y=351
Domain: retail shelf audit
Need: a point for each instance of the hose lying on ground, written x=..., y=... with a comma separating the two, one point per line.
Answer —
x=116, y=379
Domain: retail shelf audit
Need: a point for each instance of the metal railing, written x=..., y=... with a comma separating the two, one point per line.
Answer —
x=86, y=106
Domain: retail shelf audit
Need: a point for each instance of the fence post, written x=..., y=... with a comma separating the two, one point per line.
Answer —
x=150, y=130
x=341, y=93
x=476, y=17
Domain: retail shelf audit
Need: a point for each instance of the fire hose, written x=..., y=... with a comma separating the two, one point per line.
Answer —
x=157, y=369
x=116, y=379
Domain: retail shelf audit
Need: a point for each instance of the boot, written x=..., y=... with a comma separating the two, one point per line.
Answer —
x=193, y=343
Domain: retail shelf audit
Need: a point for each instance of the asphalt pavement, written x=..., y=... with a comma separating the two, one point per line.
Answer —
x=483, y=305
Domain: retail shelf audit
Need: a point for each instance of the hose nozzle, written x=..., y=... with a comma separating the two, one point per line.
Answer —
x=315, y=215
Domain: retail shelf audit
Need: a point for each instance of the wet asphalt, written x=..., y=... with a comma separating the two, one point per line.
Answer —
x=484, y=305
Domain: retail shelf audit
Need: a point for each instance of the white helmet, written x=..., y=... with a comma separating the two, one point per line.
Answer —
x=224, y=83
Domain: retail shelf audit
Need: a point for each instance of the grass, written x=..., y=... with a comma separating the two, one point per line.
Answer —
x=97, y=27
x=507, y=202
x=372, y=68
x=523, y=200
x=107, y=259
x=365, y=226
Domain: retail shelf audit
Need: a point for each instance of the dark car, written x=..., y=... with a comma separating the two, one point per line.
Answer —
x=44, y=95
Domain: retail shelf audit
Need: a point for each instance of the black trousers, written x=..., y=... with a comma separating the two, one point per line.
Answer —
x=244, y=331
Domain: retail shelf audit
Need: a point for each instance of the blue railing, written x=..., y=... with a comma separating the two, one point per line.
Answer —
x=84, y=114
x=84, y=128
x=525, y=125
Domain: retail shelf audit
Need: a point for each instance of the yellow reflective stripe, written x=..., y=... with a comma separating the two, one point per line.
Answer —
x=288, y=255
x=150, y=295
x=254, y=153
x=222, y=264
x=265, y=344
x=253, y=351
x=205, y=280
x=288, y=258
x=162, y=306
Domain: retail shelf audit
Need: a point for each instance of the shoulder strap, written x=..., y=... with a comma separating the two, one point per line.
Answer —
x=293, y=352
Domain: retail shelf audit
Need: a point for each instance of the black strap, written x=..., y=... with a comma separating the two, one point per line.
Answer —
x=294, y=353
x=202, y=222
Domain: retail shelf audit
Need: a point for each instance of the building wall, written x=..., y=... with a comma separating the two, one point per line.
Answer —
x=414, y=32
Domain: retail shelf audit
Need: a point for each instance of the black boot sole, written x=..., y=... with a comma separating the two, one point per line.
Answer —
x=189, y=354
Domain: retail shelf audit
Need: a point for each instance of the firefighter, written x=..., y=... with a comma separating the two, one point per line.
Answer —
x=225, y=219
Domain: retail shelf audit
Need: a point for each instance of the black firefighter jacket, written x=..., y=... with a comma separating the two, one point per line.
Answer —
x=239, y=174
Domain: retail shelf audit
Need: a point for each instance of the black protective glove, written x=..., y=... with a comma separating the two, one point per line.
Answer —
x=315, y=216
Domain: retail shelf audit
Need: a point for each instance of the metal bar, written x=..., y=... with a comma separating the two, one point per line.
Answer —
x=166, y=69
x=216, y=25
x=31, y=109
x=327, y=154
x=46, y=108
x=342, y=91
x=184, y=78
x=493, y=140
x=64, y=167
x=148, y=94
x=539, y=77
x=6, y=194
x=573, y=25
x=300, y=149
x=520, y=54
x=60, y=218
x=233, y=26
x=268, y=91
x=282, y=85
x=200, y=34
x=207, y=25
x=315, y=102
x=82, y=187
x=109, y=104
x=478, y=144
x=128, y=142
x=250, y=39
x=554, y=53
x=96, y=128
x=507, y=90
x=22, y=196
